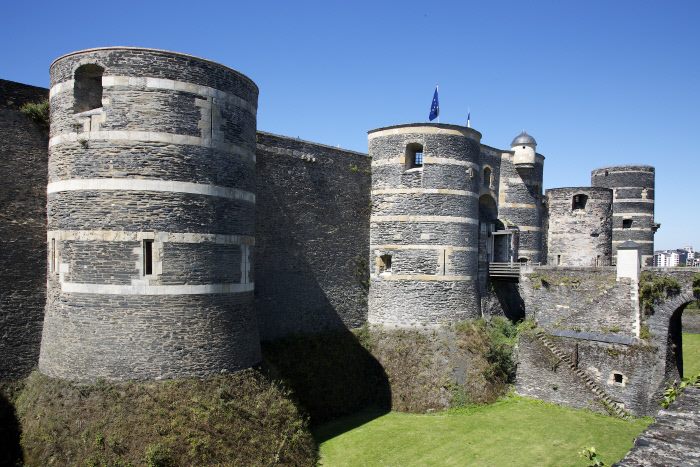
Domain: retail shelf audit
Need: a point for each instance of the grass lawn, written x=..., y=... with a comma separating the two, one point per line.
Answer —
x=514, y=431
x=691, y=354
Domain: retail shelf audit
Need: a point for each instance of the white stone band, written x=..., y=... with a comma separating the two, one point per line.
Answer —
x=426, y=130
x=422, y=277
x=632, y=214
x=632, y=200
x=446, y=219
x=519, y=205
x=159, y=83
x=143, y=289
x=424, y=191
x=635, y=241
x=164, y=237
x=150, y=137
x=142, y=184
x=422, y=247
x=400, y=161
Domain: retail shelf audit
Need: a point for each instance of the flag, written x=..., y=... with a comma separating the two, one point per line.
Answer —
x=469, y=119
x=435, y=107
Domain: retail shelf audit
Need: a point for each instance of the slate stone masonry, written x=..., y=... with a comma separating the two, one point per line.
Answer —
x=23, y=157
x=151, y=218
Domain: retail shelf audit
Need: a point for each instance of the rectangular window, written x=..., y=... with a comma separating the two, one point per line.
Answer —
x=419, y=159
x=558, y=260
x=626, y=223
x=384, y=263
x=147, y=257
x=54, y=265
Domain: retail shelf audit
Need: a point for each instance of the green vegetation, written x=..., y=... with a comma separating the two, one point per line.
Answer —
x=654, y=288
x=512, y=431
x=691, y=353
x=696, y=287
x=37, y=111
x=237, y=419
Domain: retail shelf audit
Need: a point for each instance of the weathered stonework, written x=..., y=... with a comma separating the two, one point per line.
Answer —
x=151, y=203
x=633, y=205
x=579, y=230
x=22, y=230
x=312, y=237
x=424, y=224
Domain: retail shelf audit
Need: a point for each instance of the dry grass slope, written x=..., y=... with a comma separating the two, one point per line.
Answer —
x=238, y=419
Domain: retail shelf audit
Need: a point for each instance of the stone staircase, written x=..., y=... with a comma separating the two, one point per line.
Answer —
x=609, y=404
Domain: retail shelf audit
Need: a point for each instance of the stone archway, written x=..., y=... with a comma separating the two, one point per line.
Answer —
x=666, y=328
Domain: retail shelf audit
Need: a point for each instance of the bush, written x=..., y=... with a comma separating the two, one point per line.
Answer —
x=653, y=289
x=234, y=419
x=696, y=286
x=37, y=111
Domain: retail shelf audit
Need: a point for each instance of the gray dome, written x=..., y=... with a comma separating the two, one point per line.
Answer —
x=523, y=138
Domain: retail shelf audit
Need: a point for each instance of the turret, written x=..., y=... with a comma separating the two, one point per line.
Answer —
x=523, y=147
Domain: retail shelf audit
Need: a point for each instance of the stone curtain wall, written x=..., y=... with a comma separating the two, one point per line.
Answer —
x=167, y=159
x=312, y=237
x=579, y=299
x=23, y=159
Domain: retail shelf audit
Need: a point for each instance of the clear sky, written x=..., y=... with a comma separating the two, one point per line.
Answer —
x=596, y=82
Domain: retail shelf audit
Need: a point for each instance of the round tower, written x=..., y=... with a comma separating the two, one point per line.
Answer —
x=151, y=214
x=424, y=224
x=520, y=196
x=633, y=205
x=580, y=226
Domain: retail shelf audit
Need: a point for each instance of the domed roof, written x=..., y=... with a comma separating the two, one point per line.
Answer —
x=523, y=138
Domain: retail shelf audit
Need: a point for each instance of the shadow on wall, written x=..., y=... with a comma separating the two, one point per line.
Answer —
x=332, y=374
x=10, y=431
x=504, y=299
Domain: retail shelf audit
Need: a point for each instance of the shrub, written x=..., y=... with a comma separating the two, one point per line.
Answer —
x=696, y=286
x=654, y=288
x=37, y=111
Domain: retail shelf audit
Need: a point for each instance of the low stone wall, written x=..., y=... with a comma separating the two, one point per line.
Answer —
x=312, y=237
x=579, y=299
x=543, y=376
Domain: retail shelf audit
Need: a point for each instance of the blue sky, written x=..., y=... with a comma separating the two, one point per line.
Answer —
x=596, y=82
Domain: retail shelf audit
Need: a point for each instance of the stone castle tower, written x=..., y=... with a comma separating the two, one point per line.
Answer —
x=151, y=202
x=520, y=195
x=580, y=226
x=633, y=205
x=424, y=224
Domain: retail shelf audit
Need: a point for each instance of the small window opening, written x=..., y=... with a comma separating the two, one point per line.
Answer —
x=523, y=260
x=384, y=263
x=626, y=223
x=54, y=266
x=558, y=260
x=147, y=257
x=606, y=173
x=617, y=378
x=414, y=156
x=87, y=89
x=579, y=202
x=487, y=177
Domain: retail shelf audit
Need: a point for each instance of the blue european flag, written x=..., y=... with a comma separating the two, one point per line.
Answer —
x=435, y=107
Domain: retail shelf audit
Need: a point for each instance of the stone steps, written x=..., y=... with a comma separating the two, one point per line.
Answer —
x=587, y=380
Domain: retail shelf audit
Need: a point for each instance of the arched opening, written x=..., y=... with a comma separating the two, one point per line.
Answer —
x=523, y=260
x=579, y=202
x=668, y=323
x=487, y=178
x=414, y=155
x=87, y=88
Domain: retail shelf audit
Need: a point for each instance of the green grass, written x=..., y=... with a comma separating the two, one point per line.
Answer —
x=513, y=431
x=691, y=354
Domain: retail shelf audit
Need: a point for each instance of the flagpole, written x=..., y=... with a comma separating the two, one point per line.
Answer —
x=438, y=93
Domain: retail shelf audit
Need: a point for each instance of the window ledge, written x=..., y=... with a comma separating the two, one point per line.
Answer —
x=88, y=113
x=413, y=170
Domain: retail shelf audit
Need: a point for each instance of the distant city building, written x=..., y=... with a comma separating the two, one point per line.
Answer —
x=685, y=256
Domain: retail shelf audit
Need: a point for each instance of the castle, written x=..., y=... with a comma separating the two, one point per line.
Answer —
x=178, y=236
